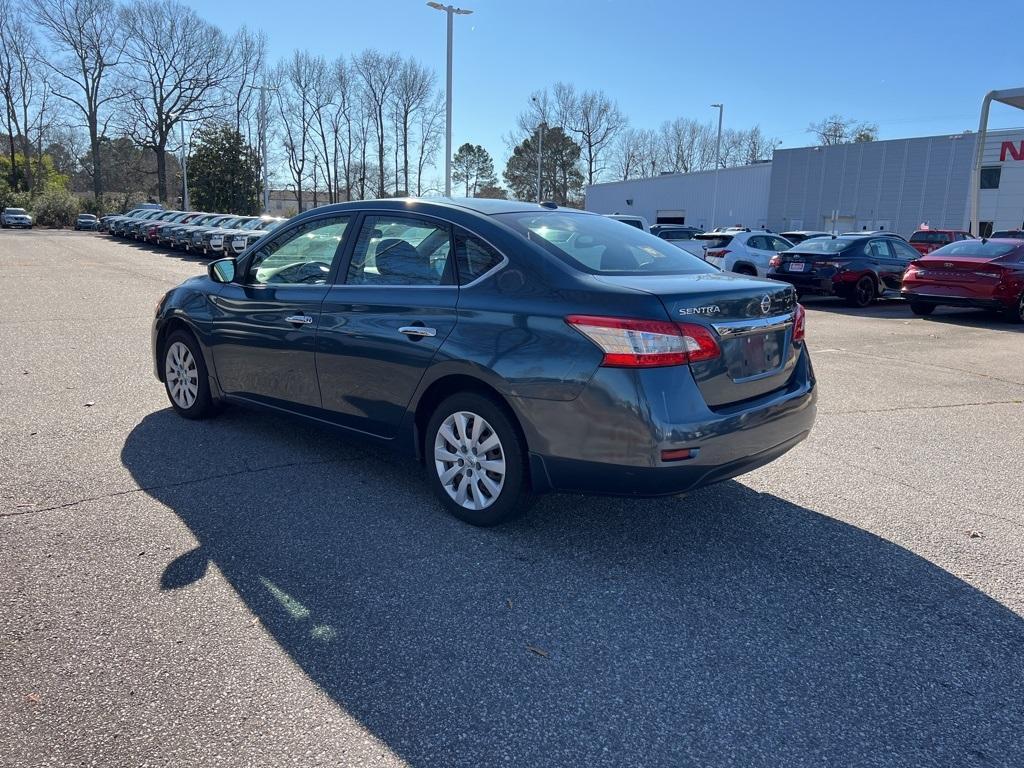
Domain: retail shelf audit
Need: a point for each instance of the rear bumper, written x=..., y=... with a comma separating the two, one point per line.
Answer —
x=939, y=300
x=809, y=283
x=609, y=440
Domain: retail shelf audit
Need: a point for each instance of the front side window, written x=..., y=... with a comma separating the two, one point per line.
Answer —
x=779, y=245
x=401, y=250
x=600, y=245
x=303, y=255
x=904, y=251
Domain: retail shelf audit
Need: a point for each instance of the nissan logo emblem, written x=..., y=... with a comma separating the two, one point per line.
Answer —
x=766, y=304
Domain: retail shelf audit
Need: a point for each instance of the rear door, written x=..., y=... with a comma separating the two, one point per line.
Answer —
x=903, y=254
x=384, y=320
x=883, y=262
x=265, y=325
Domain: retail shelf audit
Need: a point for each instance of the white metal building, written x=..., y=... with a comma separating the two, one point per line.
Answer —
x=896, y=185
x=688, y=198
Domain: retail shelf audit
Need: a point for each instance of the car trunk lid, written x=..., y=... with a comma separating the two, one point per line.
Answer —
x=962, y=276
x=751, y=318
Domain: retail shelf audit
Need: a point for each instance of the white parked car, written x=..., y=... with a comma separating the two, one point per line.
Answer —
x=15, y=217
x=742, y=251
x=634, y=221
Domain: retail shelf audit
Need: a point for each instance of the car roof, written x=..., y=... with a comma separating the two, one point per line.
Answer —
x=481, y=205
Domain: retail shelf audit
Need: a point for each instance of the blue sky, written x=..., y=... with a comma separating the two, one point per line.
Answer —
x=915, y=68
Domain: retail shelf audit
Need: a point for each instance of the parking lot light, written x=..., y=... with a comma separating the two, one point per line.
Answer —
x=451, y=10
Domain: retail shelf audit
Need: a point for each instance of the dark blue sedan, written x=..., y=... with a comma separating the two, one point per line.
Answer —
x=515, y=348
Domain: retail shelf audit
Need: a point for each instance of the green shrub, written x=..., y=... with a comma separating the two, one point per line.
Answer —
x=55, y=208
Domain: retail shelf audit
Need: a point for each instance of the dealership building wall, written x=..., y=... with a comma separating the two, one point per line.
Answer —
x=688, y=198
x=896, y=185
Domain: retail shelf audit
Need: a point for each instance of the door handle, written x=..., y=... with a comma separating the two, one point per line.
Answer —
x=417, y=331
x=300, y=319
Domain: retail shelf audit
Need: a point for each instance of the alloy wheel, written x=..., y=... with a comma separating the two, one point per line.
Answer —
x=865, y=291
x=182, y=375
x=470, y=460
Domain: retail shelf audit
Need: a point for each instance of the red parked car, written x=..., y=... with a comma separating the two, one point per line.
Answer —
x=925, y=241
x=986, y=274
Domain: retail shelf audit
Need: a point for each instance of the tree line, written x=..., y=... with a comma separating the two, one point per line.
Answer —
x=102, y=95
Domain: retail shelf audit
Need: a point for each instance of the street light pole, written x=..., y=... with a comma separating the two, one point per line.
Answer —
x=264, y=121
x=540, y=159
x=451, y=10
x=184, y=169
x=718, y=165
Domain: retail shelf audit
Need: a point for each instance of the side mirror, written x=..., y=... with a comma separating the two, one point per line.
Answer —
x=222, y=270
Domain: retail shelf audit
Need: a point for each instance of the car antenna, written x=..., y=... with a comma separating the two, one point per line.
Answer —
x=550, y=204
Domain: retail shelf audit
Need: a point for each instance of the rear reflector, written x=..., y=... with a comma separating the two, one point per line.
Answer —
x=678, y=454
x=628, y=343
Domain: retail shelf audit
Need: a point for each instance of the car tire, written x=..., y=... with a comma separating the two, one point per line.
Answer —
x=472, y=434
x=921, y=310
x=862, y=293
x=1015, y=314
x=743, y=269
x=186, y=380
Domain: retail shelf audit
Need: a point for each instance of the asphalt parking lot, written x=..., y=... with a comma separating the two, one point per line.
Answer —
x=255, y=591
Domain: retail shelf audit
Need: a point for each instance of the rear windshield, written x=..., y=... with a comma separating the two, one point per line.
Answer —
x=930, y=237
x=826, y=244
x=600, y=245
x=714, y=241
x=977, y=249
x=1009, y=234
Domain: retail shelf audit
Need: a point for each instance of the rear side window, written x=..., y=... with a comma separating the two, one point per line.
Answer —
x=714, y=241
x=474, y=257
x=977, y=249
x=930, y=237
x=401, y=250
x=596, y=244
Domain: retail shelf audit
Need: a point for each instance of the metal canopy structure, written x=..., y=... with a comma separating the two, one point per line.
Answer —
x=1013, y=97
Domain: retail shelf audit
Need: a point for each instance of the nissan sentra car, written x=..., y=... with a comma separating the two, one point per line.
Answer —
x=515, y=348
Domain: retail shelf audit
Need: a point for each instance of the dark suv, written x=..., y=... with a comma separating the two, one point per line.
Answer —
x=514, y=347
x=857, y=268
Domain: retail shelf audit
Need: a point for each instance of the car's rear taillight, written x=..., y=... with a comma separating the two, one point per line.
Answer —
x=775, y=262
x=799, y=323
x=628, y=343
x=718, y=253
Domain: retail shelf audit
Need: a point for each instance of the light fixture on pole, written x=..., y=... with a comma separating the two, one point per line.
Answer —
x=718, y=165
x=451, y=10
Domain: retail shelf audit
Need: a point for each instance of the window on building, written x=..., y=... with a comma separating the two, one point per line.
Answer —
x=990, y=177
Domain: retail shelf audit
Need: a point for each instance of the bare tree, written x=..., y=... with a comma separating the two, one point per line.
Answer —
x=681, y=140
x=378, y=74
x=430, y=132
x=19, y=85
x=412, y=94
x=84, y=33
x=341, y=124
x=837, y=129
x=291, y=79
x=593, y=120
x=247, y=53
x=178, y=71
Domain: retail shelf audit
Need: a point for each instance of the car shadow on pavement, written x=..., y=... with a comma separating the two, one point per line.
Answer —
x=728, y=627
x=896, y=309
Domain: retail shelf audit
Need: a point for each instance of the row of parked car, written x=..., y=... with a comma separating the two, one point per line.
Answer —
x=936, y=267
x=190, y=231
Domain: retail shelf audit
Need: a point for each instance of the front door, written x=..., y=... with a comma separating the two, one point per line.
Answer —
x=382, y=324
x=265, y=323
